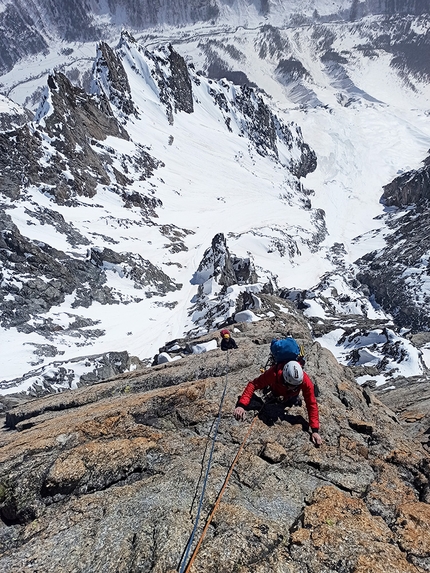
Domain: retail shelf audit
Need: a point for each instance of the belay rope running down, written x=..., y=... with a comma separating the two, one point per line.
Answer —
x=184, y=567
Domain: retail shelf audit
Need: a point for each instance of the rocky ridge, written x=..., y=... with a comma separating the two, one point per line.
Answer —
x=114, y=470
x=398, y=274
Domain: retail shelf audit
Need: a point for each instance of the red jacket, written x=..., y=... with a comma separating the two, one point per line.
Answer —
x=273, y=377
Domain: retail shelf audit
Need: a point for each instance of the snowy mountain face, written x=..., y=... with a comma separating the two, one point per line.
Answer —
x=28, y=28
x=62, y=34
x=224, y=151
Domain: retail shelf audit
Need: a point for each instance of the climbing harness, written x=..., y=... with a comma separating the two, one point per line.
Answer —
x=184, y=567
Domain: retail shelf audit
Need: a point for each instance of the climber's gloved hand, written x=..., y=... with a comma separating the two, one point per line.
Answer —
x=239, y=413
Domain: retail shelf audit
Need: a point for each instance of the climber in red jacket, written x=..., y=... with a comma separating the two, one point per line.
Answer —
x=286, y=380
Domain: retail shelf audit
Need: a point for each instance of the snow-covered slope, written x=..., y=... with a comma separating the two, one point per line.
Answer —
x=220, y=158
x=148, y=190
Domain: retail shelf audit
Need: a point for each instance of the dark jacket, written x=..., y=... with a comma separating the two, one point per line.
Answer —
x=273, y=377
x=228, y=344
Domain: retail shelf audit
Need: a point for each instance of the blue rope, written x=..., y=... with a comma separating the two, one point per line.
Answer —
x=190, y=542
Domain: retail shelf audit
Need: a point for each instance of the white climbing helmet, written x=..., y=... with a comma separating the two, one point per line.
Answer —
x=293, y=373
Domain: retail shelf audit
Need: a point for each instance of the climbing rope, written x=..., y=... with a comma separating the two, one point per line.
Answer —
x=190, y=542
x=218, y=500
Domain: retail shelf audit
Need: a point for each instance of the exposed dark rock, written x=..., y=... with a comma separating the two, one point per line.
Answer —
x=91, y=118
x=24, y=258
x=261, y=123
x=333, y=57
x=396, y=275
x=148, y=204
x=23, y=293
x=79, y=160
x=217, y=70
x=216, y=263
x=20, y=151
x=109, y=70
x=217, y=271
x=180, y=83
x=176, y=90
x=13, y=116
x=409, y=188
x=291, y=70
x=265, y=130
x=133, y=266
x=55, y=219
x=271, y=43
x=61, y=376
x=244, y=270
x=88, y=119
x=176, y=237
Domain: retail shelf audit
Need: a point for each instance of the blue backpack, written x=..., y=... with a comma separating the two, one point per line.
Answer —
x=284, y=349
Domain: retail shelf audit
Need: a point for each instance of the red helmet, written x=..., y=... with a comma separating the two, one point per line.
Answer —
x=225, y=332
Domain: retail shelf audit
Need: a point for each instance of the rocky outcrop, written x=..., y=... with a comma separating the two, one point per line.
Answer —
x=344, y=315
x=75, y=124
x=397, y=275
x=20, y=152
x=260, y=120
x=217, y=264
x=172, y=76
x=267, y=132
x=226, y=284
x=59, y=376
x=115, y=471
x=180, y=82
x=24, y=293
x=410, y=188
x=243, y=108
x=134, y=267
x=88, y=119
x=12, y=116
x=109, y=71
